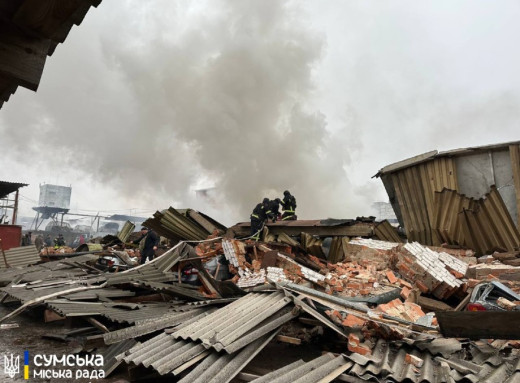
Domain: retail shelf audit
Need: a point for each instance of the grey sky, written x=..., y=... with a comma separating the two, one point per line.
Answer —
x=146, y=101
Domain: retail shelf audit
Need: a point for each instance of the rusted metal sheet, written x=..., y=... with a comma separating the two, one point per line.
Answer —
x=125, y=232
x=11, y=236
x=479, y=324
x=489, y=226
x=187, y=224
x=386, y=232
x=412, y=203
x=447, y=225
x=338, y=249
x=514, y=153
x=415, y=188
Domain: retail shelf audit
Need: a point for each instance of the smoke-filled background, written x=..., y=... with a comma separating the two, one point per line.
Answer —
x=146, y=102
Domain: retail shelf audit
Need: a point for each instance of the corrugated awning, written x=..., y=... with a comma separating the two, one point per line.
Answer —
x=7, y=188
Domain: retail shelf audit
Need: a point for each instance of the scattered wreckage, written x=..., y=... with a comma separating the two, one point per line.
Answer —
x=217, y=308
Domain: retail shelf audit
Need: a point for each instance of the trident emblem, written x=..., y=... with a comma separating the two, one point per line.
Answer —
x=11, y=366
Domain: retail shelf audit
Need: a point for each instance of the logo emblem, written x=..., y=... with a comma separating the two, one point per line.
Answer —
x=11, y=366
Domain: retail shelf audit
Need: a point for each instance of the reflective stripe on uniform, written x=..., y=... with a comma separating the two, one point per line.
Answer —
x=255, y=216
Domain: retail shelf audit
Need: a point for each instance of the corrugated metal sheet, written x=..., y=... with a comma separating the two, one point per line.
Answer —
x=20, y=256
x=338, y=249
x=155, y=271
x=490, y=225
x=414, y=191
x=434, y=154
x=232, y=322
x=432, y=171
x=7, y=187
x=175, y=289
x=312, y=245
x=205, y=221
x=116, y=312
x=514, y=153
x=109, y=355
x=45, y=25
x=388, y=362
x=29, y=292
x=125, y=232
x=447, y=224
x=150, y=274
x=222, y=368
x=169, y=356
x=322, y=369
x=176, y=225
x=386, y=232
x=45, y=271
x=148, y=326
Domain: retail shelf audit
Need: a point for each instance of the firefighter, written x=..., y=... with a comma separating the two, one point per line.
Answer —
x=258, y=217
x=150, y=241
x=288, y=206
x=274, y=207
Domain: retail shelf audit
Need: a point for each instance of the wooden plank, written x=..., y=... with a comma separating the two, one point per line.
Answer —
x=514, y=154
x=465, y=301
x=288, y=339
x=45, y=16
x=484, y=324
x=22, y=59
x=428, y=304
x=357, y=230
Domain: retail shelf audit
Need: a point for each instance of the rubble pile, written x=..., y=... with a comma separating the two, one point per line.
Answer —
x=209, y=309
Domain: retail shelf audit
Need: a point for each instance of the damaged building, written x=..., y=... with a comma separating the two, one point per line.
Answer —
x=220, y=307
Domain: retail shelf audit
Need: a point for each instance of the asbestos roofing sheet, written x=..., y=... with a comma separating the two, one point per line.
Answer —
x=175, y=225
x=388, y=362
x=129, y=313
x=166, y=353
x=24, y=293
x=231, y=322
x=20, y=256
x=322, y=369
x=386, y=232
x=175, y=289
x=148, y=326
x=222, y=368
x=151, y=275
x=110, y=353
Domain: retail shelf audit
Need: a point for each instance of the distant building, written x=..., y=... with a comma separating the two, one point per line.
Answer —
x=384, y=210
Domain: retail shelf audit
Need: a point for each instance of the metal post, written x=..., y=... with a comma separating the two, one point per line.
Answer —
x=3, y=253
x=15, y=210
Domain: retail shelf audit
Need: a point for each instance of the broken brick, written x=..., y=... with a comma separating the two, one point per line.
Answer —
x=391, y=277
x=414, y=360
x=405, y=292
x=353, y=321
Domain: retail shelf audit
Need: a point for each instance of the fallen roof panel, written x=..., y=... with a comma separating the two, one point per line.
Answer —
x=20, y=256
x=322, y=369
x=116, y=312
x=148, y=326
x=222, y=368
x=229, y=323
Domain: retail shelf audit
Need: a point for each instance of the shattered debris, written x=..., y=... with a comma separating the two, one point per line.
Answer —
x=207, y=306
